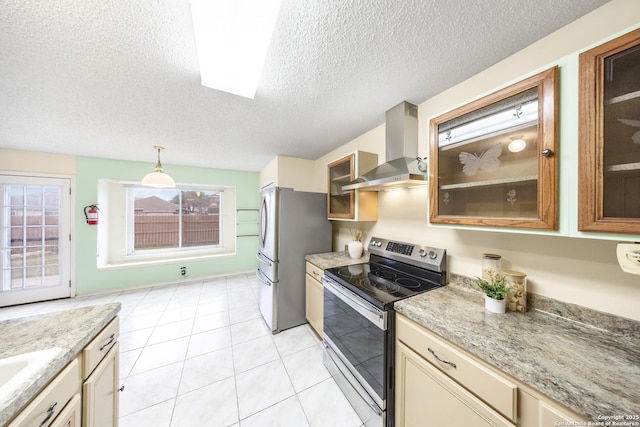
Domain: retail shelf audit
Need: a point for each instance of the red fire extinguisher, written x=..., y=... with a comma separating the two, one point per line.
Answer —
x=91, y=214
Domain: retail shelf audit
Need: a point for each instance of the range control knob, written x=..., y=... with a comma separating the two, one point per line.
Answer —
x=422, y=253
x=432, y=254
x=378, y=244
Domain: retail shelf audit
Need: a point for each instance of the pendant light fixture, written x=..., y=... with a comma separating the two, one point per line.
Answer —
x=158, y=178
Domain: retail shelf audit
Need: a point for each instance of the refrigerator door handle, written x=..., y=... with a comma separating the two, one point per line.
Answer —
x=263, y=222
x=264, y=259
x=262, y=278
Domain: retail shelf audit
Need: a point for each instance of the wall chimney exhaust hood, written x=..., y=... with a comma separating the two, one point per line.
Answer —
x=403, y=168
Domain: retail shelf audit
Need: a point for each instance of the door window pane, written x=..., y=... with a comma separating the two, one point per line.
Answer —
x=16, y=236
x=33, y=277
x=51, y=197
x=34, y=197
x=31, y=235
x=51, y=274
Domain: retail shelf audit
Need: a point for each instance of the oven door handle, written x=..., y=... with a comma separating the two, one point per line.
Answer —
x=374, y=315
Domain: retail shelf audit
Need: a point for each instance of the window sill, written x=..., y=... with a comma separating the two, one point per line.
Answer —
x=170, y=258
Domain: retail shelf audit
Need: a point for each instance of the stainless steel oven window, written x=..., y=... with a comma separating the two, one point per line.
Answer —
x=356, y=331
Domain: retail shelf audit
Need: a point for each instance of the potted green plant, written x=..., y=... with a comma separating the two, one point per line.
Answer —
x=495, y=299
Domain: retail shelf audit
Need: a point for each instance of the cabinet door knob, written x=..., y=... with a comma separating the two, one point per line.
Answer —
x=547, y=153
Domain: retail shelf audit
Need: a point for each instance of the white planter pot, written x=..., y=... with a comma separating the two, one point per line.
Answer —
x=495, y=305
x=355, y=249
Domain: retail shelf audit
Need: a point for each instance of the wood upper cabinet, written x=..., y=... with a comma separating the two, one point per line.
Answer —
x=351, y=204
x=609, y=136
x=494, y=161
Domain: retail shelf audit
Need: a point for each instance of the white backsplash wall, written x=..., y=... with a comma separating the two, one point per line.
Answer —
x=344, y=230
x=574, y=270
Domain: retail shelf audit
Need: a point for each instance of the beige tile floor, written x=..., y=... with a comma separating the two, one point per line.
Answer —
x=199, y=354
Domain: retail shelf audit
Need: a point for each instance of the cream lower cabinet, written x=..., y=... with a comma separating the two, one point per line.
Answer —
x=427, y=397
x=439, y=384
x=71, y=414
x=100, y=393
x=100, y=387
x=540, y=411
x=57, y=404
x=84, y=393
x=315, y=298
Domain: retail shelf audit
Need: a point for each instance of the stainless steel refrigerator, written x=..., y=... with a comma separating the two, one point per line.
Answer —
x=292, y=224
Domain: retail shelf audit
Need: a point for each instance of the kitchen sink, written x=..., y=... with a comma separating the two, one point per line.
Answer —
x=16, y=370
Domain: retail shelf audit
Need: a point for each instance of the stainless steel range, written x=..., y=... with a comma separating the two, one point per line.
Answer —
x=359, y=320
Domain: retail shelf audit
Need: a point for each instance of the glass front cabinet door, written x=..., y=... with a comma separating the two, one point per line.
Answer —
x=351, y=205
x=609, y=136
x=493, y=161
x=341, y=204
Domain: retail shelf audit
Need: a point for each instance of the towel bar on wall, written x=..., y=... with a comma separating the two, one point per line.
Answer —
x=252, y=222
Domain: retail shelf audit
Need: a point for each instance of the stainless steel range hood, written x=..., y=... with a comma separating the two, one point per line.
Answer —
x=402, y=170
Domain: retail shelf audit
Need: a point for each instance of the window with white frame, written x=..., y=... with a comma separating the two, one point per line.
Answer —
x=170, y=219
x=142, y=225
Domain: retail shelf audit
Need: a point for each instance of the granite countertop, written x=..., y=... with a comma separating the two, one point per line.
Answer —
x=595, y=371
x=69, y=330
x=336, y=259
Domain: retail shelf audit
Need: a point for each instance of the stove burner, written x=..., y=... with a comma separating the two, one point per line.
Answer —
x=373, y=283
x=385, y=280
x=386, y=274
x=351, y=271
x=408, y=282
x=382, y=272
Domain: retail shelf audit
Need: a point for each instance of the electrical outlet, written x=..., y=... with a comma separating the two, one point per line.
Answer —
x=183, y=271
x=629, y=257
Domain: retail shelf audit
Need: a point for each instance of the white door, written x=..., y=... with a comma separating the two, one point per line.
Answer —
x=35, y=254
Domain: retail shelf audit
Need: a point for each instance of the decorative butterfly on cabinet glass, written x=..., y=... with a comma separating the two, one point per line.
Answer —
x=488, y=160
x=635, y=123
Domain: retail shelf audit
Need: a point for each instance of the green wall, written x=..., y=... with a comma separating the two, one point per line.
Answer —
x=89, y=279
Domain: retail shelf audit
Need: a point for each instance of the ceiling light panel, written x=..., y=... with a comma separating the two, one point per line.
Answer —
x=232, y=39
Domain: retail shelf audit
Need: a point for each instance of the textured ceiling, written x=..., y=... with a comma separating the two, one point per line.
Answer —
x=113, y=78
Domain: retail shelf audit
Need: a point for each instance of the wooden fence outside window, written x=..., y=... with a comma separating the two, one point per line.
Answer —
x=163, y=231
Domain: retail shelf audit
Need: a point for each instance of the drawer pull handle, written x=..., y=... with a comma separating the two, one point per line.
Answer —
x=440, y=359
x=112, y=338
x=50, y=412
